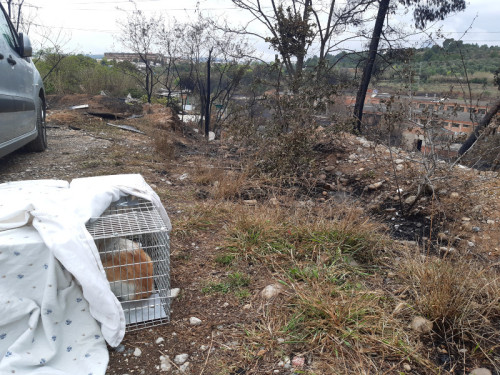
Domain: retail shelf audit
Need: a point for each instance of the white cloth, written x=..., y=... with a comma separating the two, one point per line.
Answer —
x=58, y=212
x=45, y=324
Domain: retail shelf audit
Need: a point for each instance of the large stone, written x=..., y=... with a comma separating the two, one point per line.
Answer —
x=411, y=199
x=480, y=371
x=271, y=291
x=194, y=321
x=374, y=186
x=184, y=367
x=298, y=361
x=421, y=325
x=165, y=364
x=181, y=358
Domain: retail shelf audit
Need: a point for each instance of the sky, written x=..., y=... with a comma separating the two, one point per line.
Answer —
x=91, y=26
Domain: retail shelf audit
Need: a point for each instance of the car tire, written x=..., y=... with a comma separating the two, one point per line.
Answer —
x=40, y=142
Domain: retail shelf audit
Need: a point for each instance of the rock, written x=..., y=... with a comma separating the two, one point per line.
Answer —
x=442, y=237
x=476, y=229
x=298, y=361
x=446, y=249
x=480, y=371
x=137, y=352
x=407, y=367
x=490, y=222
x=181, y=358
x=274, y=201
x=174, y=292
x=250, y=202
x=411, y=199
x=454, y=195
x=421, y=325
x=353, y=156
x=194, y=321
x=165, y=364
x=374, y=186
x=330, y=168
x=159, y=340
x=184, y=367
x=322, y=177
x=400, y=167
x=271, y=291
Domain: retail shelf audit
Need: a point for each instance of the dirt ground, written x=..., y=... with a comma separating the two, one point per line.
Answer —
x=83, y=145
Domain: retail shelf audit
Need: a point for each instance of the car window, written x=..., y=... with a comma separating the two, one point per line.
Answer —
x=6, y=31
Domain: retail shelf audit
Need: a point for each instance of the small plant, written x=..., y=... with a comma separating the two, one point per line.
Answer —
x=235, y=283
x=225, y=259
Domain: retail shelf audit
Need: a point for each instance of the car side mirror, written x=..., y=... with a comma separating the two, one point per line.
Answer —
x=25, y=46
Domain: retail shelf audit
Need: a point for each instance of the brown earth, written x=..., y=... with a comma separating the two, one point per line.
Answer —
x=467, y=212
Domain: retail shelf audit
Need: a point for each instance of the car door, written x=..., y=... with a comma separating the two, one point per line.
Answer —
x=17, y=106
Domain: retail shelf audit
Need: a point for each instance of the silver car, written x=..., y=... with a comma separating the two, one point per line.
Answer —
x=22, y=96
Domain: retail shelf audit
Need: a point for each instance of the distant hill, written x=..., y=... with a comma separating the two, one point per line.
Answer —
x=96, y=57
x=446, y=60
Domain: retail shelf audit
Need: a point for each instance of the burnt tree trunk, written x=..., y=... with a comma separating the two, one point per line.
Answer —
x=207, y=100
x=367, y=70
x=482, y=124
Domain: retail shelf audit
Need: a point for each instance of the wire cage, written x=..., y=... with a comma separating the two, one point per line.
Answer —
x=134, y=246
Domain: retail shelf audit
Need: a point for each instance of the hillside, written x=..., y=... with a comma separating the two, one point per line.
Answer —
x=371, y=260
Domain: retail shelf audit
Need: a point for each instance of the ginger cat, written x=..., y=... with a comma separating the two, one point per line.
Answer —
x=129, y=269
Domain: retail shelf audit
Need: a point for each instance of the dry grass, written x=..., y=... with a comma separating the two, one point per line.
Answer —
x=224, y=184
x=335, y=309
x=462, y=298
x=163, y=144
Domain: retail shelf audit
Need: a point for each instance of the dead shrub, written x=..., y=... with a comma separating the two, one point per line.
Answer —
x=288, y=154
x=164, y=145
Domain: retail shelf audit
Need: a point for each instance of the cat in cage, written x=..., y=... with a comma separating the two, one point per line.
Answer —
x=129, y=269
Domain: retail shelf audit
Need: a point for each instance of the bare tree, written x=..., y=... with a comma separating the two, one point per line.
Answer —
x=139, y=34
x=294, y=26
x=227, y=55
x=170, y=42
x=424, y=11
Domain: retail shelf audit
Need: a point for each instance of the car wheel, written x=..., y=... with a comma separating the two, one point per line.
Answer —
x=40, y=142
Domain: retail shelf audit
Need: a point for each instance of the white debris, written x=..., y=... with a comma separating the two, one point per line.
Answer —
x=165, y=364
x=159, y=340
x=174, y=292
x=194, y=321
x=181, y=358
x=184, y=367
x=183, y=176
x=137, y=352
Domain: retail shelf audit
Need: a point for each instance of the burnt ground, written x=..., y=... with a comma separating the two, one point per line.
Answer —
x=465, y=216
